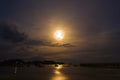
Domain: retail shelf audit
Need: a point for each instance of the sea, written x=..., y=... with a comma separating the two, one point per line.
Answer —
x=63, y=73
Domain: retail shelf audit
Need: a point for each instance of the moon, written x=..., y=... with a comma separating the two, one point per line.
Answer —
x=59, y=35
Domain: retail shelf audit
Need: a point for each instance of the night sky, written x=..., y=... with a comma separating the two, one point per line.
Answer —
x=91, y=28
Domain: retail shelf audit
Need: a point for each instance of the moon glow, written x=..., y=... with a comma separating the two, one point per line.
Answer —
x=59, y=35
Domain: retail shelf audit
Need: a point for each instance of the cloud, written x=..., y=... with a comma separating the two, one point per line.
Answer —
x=14, y=43
x=47, y=43
x=9, y=32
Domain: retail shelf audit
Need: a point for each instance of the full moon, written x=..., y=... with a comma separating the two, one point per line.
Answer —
x=59, y=35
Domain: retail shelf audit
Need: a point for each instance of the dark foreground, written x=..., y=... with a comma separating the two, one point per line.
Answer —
x=63, y=73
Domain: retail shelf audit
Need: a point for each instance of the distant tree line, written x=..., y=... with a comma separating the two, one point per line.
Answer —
x=101, y=65
x=21, y=63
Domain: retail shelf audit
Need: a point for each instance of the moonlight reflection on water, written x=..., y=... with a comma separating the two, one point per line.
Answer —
x=58, y=75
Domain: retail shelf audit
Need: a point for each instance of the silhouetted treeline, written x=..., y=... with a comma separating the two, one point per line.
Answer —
x=21, y=63
x=38, y=63
x=101, y=65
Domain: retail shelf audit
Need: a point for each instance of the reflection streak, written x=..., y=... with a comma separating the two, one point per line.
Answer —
x=58, y=75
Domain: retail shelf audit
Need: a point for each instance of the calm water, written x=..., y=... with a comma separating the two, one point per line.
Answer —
x=65, y=73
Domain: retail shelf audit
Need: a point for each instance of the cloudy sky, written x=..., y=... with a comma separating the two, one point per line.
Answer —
x=91, y=30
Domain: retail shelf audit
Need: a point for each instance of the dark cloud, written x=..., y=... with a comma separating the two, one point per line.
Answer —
x=47, y=43
x=14, y=43
x=9, y=32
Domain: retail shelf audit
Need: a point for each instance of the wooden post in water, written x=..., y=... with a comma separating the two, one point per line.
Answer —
x=15, y=71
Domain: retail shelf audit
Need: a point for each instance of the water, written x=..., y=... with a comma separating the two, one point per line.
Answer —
x=65, y=73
